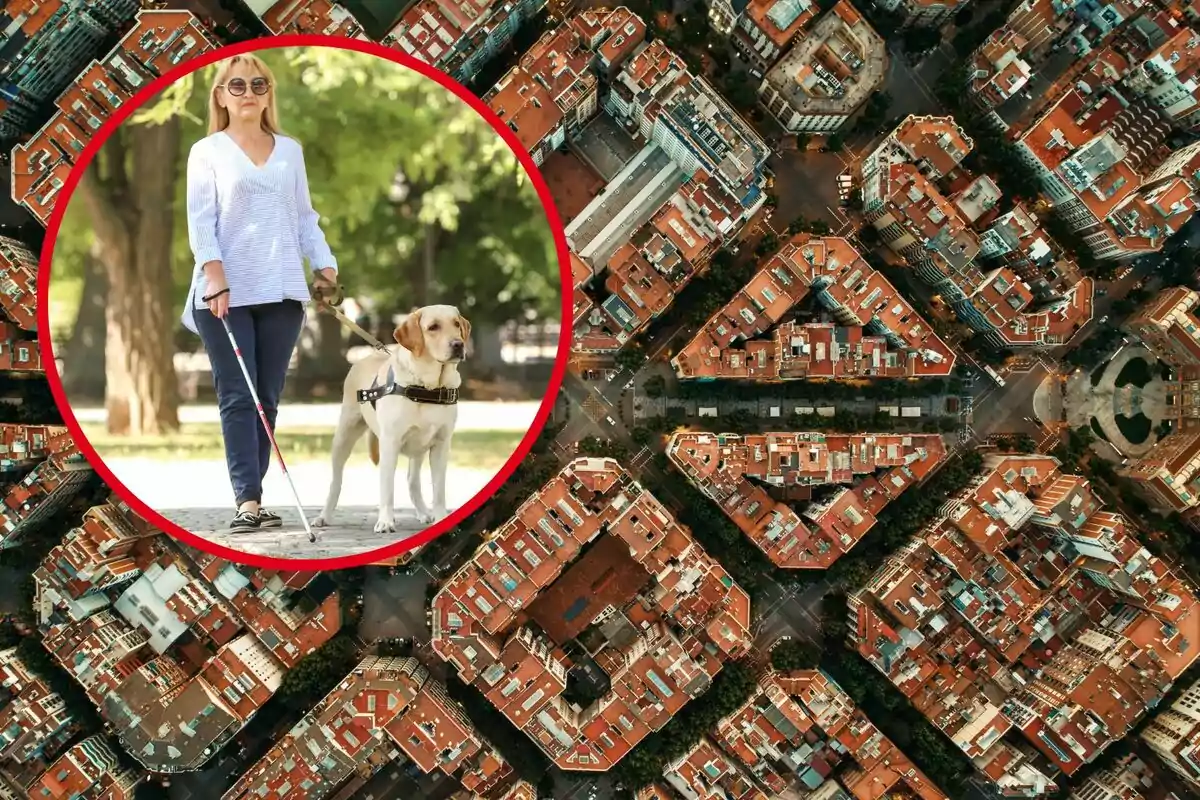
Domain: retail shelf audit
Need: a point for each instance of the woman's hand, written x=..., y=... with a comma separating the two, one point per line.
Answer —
x=325, y=288
x=216, y=293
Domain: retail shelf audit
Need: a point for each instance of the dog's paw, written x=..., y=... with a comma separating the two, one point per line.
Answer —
x=385, y=525
x=423, y=517
x=320, y=522
x=440, y=514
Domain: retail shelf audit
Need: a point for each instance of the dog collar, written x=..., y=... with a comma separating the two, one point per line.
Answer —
x=418, y=394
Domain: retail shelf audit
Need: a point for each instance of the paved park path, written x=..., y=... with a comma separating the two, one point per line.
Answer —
x=352, y=534
x=195, y=494
x=472, y=415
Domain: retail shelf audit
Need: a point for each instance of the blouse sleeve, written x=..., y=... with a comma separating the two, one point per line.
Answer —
x=312, y=238
x=202, y=207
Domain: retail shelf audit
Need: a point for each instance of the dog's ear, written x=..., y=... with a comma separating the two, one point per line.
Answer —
x=465, y=326
x=410, y=336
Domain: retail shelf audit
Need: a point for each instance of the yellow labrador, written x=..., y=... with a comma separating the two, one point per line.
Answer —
x=416, y=421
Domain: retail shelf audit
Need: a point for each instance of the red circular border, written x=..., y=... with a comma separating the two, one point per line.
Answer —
x=47, y=347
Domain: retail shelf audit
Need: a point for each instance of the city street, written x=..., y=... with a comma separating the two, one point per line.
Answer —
x=592, y=405
x=393, y=782
x=806, y=186
x=10, y=586
x=211, y=782
x=581, y=787
x=1008, y=408
x=394, y=605
x=780, y=407
x=592, y=409
x=789, y=612
x=911, y=86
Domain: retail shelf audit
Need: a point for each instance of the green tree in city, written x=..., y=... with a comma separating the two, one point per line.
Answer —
x=740, y=90
x=641, y=436
x=631, y=357
x=150, y=789
x=794, y=654
x=315, y=675
x=421, y=202
x=921, y=40
x=655, y=386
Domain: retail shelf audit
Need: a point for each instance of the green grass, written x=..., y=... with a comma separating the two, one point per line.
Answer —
x=478, y=449
x=1136, y=428
x=1136, y=371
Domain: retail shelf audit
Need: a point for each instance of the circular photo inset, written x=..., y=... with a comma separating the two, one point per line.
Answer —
x=304, y=303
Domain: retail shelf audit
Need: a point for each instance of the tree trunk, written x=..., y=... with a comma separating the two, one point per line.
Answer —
x=488, y=350
x=83, y=356
x=423, y=280
x=321, y=364
x=130, y=191
x=332, y=344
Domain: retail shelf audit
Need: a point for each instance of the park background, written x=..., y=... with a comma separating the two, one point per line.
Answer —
x=421, y=201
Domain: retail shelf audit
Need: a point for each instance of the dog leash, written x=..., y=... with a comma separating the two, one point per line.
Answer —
x=353, y=326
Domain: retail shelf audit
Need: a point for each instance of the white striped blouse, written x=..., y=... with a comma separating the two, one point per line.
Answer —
x=257, y=221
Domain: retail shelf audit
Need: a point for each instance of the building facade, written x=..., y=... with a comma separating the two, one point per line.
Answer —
x=1174, y=736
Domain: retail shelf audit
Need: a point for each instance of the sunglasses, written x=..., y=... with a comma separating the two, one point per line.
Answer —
x=237, y=86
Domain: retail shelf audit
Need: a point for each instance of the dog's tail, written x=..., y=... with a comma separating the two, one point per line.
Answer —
x=373, y=446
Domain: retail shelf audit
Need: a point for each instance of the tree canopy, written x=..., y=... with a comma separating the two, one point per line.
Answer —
x=420, y=199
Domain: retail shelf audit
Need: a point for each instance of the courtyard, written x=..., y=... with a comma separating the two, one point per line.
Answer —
x=604, y=575
x=1123, y=402
x=572, y=183
x=606, y=147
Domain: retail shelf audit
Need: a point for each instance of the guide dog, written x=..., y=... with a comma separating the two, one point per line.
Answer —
x=406, y=398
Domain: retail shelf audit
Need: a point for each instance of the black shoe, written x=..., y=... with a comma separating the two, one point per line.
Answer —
x=245, y=522
x=268, y=520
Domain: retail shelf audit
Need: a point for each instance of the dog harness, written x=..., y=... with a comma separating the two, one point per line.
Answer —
x=418, y=394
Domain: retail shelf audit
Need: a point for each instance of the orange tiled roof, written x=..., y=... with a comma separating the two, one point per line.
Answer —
x=981, y=579
x=844, y=282
x=478, y=616
x=732, y=470
x=159, y=40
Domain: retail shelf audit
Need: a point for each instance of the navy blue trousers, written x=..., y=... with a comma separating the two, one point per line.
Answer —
x=267, y=335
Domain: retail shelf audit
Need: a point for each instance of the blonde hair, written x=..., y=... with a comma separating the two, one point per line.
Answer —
x=218, y=117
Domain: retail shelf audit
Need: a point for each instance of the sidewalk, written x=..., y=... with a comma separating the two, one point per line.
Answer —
x=472, y=415
x=196, y=496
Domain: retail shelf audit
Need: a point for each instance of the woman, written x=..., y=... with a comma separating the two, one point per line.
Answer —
x=251, y=224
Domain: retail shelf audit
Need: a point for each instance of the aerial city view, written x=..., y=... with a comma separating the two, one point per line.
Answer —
x=875, y=473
